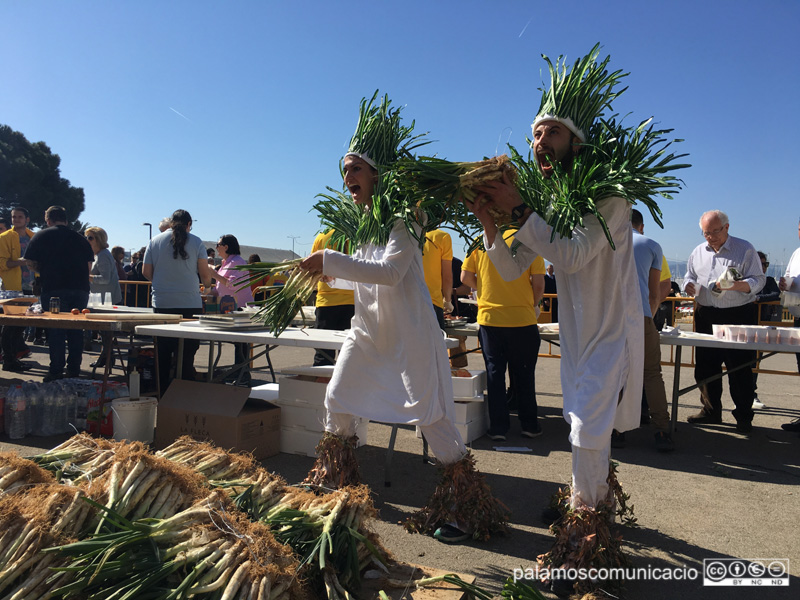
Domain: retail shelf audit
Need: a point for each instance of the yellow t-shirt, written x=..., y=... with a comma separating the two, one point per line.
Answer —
x=326, y=295
x=503, y=303
x=438, y=247
x=665, y=273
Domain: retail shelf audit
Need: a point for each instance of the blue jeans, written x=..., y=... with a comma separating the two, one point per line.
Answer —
x=59, y=339
x=518, y=349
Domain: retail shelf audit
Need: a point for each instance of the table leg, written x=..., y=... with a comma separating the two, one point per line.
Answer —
x=676, y=384
x=179, y=366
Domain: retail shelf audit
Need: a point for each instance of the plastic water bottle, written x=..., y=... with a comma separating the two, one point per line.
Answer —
x=14, y=417
x=33, y=408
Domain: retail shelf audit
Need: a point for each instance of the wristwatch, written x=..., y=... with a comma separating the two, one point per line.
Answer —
x=518, y=212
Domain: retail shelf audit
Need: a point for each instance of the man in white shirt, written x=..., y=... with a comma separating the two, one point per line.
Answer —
x=724, y=275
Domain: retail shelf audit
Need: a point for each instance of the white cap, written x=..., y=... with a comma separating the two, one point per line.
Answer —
x=566, y=121
x=363, y=156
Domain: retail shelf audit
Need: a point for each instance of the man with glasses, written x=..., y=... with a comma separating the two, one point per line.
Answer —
x=724, y=274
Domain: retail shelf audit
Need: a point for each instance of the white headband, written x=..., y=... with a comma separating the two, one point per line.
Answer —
x=565, y=121
x=363, y=156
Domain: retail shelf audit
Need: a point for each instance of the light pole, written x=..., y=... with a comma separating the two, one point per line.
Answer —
x=150, y=225
x=294, y=237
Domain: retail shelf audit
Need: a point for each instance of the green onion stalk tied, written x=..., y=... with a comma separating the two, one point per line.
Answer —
x=584, y=539
x=462, y=496
x=630, y=163
x=279, y=310
x=206, y=550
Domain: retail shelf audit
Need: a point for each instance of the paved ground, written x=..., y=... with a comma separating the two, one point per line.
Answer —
x=720, y=495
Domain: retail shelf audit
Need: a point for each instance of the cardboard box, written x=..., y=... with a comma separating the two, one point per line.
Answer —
x=222, y=414
x=469, y=387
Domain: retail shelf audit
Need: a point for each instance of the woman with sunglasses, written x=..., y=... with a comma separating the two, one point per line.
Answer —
x=103, y=278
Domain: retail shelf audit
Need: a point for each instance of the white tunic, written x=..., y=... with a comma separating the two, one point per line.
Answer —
x=599, y=319
x=393, y=366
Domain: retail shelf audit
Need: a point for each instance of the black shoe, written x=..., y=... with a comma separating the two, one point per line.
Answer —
x=51, y=377
x=744, y=426
x=73, y=374
x=664, y=442
x=793, y=426
x=703, y=418
x=563, y=588
x=15, y=366
x=550, y=515
x=617, y=439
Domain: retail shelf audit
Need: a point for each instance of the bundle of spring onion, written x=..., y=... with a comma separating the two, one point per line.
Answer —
x=584, y=539
x=138, y=536
x=279, y=310
x=327, y=531
x=16, y=472
x=79, y=459
x=207, y=550
x=614, y=160
x=630, y=163
x=32, y=518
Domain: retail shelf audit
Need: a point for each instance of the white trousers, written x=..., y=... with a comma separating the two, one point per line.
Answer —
x=589, y=475
x=443, y=437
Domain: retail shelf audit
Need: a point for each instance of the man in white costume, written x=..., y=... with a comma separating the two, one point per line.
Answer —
x=582, y=194
x=393, y=366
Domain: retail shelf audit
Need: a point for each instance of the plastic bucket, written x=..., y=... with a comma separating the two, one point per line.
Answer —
x=134, y=420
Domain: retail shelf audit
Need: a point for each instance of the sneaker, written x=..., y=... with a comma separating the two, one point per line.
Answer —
x=793, y=426
x=757, y=403
x=617, y=439
x=15, y=366
x=450, y=534
x=744, y=426
x=496, y=437
x=532, y=432
x=703, y=418
x=664, y=442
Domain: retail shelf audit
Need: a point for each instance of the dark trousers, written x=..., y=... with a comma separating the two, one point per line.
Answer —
x=709, y=361
x=518, y=349
x=168, y=349
x=11, y=342
x=335, y=318
x=59, y=340
x=797, y=356
x=439, y=312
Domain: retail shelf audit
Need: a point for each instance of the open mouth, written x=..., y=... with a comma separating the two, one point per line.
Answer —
x=354, y=189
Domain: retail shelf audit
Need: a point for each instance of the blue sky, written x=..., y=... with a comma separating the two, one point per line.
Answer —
x=239, y=111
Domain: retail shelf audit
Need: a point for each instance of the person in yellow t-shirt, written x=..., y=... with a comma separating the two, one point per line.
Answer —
x=437, y=266
x=335, y=307
x=509, y=337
